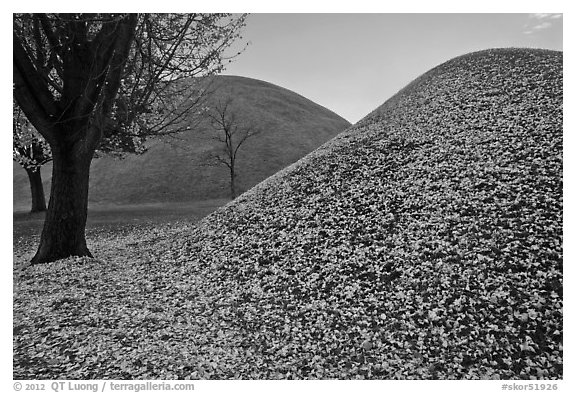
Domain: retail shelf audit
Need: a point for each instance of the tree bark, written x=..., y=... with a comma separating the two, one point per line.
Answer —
x=63, y=234
x=38, y=199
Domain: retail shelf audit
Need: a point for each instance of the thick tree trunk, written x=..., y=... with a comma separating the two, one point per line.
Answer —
x=64, y=227
x=37, y=189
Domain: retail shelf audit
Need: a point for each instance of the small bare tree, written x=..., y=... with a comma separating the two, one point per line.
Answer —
x=231, y=132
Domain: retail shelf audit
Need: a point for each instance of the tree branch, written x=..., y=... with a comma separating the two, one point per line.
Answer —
x=31, y=92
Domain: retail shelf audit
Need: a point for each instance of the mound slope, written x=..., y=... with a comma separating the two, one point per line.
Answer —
x=424, y=242
x=433, y=228
x=175, y=171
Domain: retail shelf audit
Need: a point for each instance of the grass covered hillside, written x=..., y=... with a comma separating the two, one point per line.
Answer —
x=174, y=170
x=424, y=242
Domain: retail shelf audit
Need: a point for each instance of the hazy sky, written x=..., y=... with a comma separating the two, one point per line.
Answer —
x=352, y=63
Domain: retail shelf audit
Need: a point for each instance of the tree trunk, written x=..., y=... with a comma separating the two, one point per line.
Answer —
x=232, y=183
x=37, y=189
x=65, y=224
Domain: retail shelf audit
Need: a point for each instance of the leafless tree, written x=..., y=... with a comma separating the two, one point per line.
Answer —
x=231, y=132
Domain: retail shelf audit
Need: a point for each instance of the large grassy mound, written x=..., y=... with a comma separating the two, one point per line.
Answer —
x=175, y=170
x=424, y=242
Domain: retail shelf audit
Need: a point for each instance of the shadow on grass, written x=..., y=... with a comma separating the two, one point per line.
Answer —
x=112, y=217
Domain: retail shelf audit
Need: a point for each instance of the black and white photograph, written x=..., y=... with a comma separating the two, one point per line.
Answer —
x=316, y=196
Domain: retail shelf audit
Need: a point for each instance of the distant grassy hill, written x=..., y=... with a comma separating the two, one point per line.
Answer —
x=425, y=242
x=291, y=125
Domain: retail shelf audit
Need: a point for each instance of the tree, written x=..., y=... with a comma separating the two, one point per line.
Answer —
x=82, y=79
x=31, y=151
x=231, y=133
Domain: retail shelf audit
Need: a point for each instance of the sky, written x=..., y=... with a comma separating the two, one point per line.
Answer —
x=351, y=63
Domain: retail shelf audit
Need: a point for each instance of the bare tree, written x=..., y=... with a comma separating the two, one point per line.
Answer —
x=82, y=79
x=231, y=133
